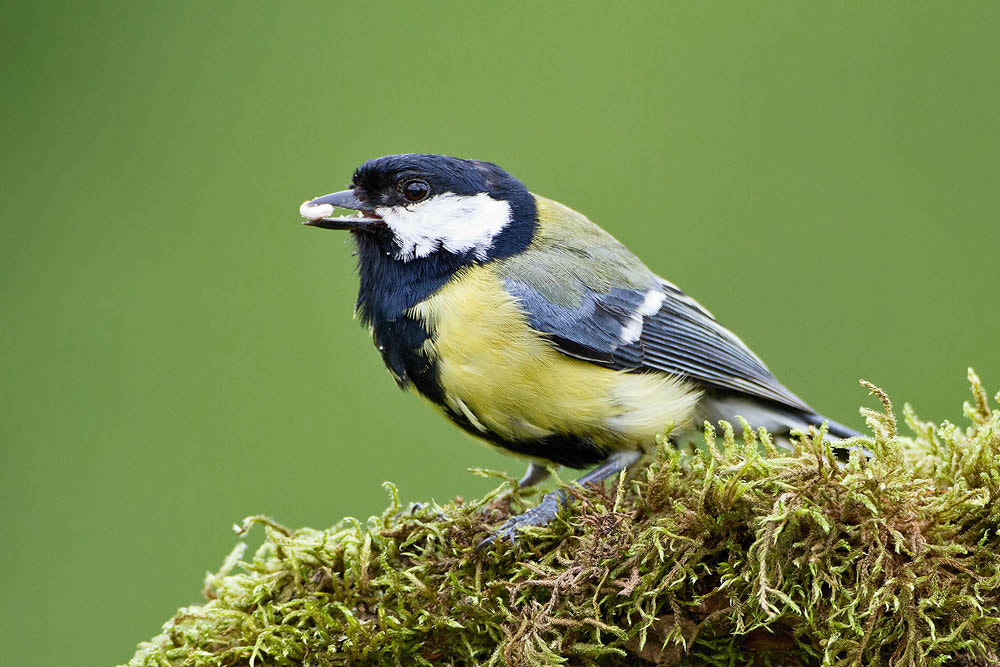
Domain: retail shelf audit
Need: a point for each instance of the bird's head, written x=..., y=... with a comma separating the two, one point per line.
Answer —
x=426, y=204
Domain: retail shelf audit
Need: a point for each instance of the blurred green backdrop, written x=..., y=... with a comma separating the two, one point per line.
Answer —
x=178, y=352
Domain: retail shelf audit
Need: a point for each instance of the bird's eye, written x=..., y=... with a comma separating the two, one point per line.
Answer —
x=416, y=190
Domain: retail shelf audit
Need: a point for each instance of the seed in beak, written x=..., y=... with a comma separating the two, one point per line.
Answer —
x=311, y=212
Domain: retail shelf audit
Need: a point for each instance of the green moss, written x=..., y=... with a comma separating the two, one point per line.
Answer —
x=733, y=554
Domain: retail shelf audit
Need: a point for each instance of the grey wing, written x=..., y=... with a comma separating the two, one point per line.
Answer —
x=660, y=329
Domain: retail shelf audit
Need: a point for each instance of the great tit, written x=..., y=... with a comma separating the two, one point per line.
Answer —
x=533, y=329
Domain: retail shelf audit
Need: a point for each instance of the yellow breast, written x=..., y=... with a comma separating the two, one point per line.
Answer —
x=506, y=378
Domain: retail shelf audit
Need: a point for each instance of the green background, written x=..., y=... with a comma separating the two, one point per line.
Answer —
x=178, y=352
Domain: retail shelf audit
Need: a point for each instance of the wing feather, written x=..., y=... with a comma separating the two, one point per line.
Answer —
x=680, y=338
x=598, y=302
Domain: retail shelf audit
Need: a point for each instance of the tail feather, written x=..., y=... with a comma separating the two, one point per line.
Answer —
x=778, y=420
x=839, y=431
x=833, y=428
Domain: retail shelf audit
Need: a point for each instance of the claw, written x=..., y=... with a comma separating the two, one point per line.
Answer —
x=552, y=502
x=540, y=515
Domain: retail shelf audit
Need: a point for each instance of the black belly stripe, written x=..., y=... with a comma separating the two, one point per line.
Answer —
x=565, y=450
x=389, y=289
x=400, y=341
x=568, y=450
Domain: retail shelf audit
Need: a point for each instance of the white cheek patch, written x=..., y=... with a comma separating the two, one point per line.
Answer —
x=456, y=223
x=650, y=306
x=310, y=212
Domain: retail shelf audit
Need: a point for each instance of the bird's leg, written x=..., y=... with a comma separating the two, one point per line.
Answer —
x=612, y=466
x=534, y=475
x=553, y=501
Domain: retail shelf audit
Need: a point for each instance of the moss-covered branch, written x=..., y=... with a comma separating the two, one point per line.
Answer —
x=733, y=554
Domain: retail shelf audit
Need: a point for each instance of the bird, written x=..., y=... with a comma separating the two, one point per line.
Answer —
x=536, y=331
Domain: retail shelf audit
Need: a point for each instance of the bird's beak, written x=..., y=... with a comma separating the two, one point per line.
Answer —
x=317, y=212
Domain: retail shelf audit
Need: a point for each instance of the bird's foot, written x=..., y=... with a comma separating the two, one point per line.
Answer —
x=540, y=515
